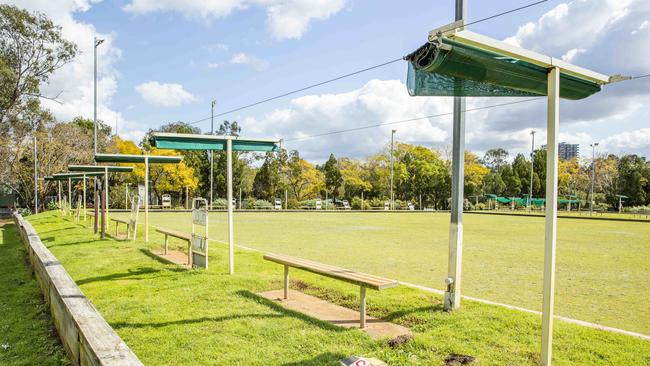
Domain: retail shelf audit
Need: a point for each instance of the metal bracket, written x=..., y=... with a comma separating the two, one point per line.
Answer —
x=445, y=30
x=618, y=77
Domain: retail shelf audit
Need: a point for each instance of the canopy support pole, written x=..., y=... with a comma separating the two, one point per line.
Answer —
x=60, y=205
x=106, y=191
x=146, y=199
x=453, y=281
x=69, y=195
x=84, y=185
x=553, y=115
x=231, y=239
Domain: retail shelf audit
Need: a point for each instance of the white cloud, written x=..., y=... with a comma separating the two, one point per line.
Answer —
x=244, y=59
x=214, y=65
x=629, y=140
x=378, y=101
x=166, y=95
x=572, y=53
x=643, y=26
x=286, y=19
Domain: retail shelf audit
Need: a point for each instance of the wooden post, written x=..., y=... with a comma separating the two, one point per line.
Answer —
x=286, y=282
x=166, y=236
x=362, y=310
x=552, y=133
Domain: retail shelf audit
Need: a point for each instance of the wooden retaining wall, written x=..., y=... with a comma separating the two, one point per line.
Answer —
x=86, y=336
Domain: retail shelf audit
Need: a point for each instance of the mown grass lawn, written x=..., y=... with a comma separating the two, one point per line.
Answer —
x=169, y=315
x=26, y=329
x=603, y=267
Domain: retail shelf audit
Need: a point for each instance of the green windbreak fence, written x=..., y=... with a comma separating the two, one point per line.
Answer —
x=451, y=68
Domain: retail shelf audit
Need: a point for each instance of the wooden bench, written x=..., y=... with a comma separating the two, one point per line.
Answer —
x=180, y=235
x=117, y=224
x=361, y=279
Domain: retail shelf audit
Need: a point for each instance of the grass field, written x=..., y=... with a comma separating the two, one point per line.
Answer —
x=169, y=315
x=603, y=267
x=26, y=336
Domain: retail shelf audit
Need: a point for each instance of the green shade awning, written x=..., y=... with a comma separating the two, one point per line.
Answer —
x=186, y=141
x=124, y=158
x=449, y=67
x=74, y=176
x=100, y=168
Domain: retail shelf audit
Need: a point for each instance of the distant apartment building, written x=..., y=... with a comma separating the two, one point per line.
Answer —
x=566, y=151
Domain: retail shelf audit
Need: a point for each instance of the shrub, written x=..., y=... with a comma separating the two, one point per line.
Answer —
x=262, y=205
x=52, y=205
x=24, y=211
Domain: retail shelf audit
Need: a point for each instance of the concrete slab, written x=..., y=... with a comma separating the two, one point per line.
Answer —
x=335, y=314
x=173, y=256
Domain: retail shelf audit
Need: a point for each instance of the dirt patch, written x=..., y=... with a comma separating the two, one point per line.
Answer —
x=398, y=341
x=458, y=360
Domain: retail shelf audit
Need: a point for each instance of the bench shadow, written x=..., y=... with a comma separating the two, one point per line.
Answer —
x=162, y=260
x=119, y=325
x=84, y=242
x=327, y=358
x=118, y=276
x=288, y=312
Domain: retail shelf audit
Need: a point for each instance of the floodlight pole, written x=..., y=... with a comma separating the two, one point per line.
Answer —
x=231, y=239
x=453, y=281
x=212, y=154
x=553, y=115
x=593, y=176
x=532, y=166
x=392, y=142
x=96, y=43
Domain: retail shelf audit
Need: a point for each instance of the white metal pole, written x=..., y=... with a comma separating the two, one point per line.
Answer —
x=286, y=199
x=231, y=239
x=69, y=195
x=392, y=142
x=212, y=155
x=35, y=175
x=553, y=115
x=453, y=281
x=106, y=193
x=60, y=205
x=146, y=199
x=96, y=42
x=84, y=194
x=532, y=156
x=593, y=176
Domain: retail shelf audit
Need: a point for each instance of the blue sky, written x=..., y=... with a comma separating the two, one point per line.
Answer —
x=166, y=60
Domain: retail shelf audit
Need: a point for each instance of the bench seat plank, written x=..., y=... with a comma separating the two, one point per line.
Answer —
x=361, y=279
x=174, y=233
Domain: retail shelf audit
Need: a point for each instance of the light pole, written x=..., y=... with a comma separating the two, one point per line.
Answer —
x=532, y=156
x=593, y=176
x=392, y=142
x=212, y=152
x=97, y=42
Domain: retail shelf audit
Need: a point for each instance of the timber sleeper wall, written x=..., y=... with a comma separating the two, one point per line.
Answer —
x=86, y=336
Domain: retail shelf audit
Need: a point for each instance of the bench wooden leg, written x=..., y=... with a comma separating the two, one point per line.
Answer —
x=189, y=253
x=166, y=244
x=286, y=282
x=362, y=310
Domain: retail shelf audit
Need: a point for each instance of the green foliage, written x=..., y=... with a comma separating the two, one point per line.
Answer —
x=52, y=205
x=333, y=176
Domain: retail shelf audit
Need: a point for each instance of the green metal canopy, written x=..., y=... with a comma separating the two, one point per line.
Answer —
x=125, y=158
x=462, y=63
x=100, y=168
x=186, y=141
x=66, y=176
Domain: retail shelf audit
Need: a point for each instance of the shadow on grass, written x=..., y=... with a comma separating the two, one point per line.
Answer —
x=120, y=325
x=162, y=260
x=287, y=312
x=327, y=358
x=118, y=276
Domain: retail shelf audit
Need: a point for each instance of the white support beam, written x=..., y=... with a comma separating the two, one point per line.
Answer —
x=146, y=199
x=231, y=231
x=84, y=186
x=454, y=268
x=69, y=195
x=106, y=194
x=553, y=115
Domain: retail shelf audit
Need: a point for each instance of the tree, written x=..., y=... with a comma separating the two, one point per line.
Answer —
x=495, y=158
x=475, y=174
x=31, y=49
x=303, y=179
x=333, y=177
x=633, y=179
x=268, y=182
x=355, y=178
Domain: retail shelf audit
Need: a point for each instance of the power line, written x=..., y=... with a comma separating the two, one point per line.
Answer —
x=411, y=120
x=639, y=77
x=358, y=71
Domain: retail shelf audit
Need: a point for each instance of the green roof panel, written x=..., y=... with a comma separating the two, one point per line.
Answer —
x=124, y=158
x=100, y=168
x=452, y=68
x=211, y=142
